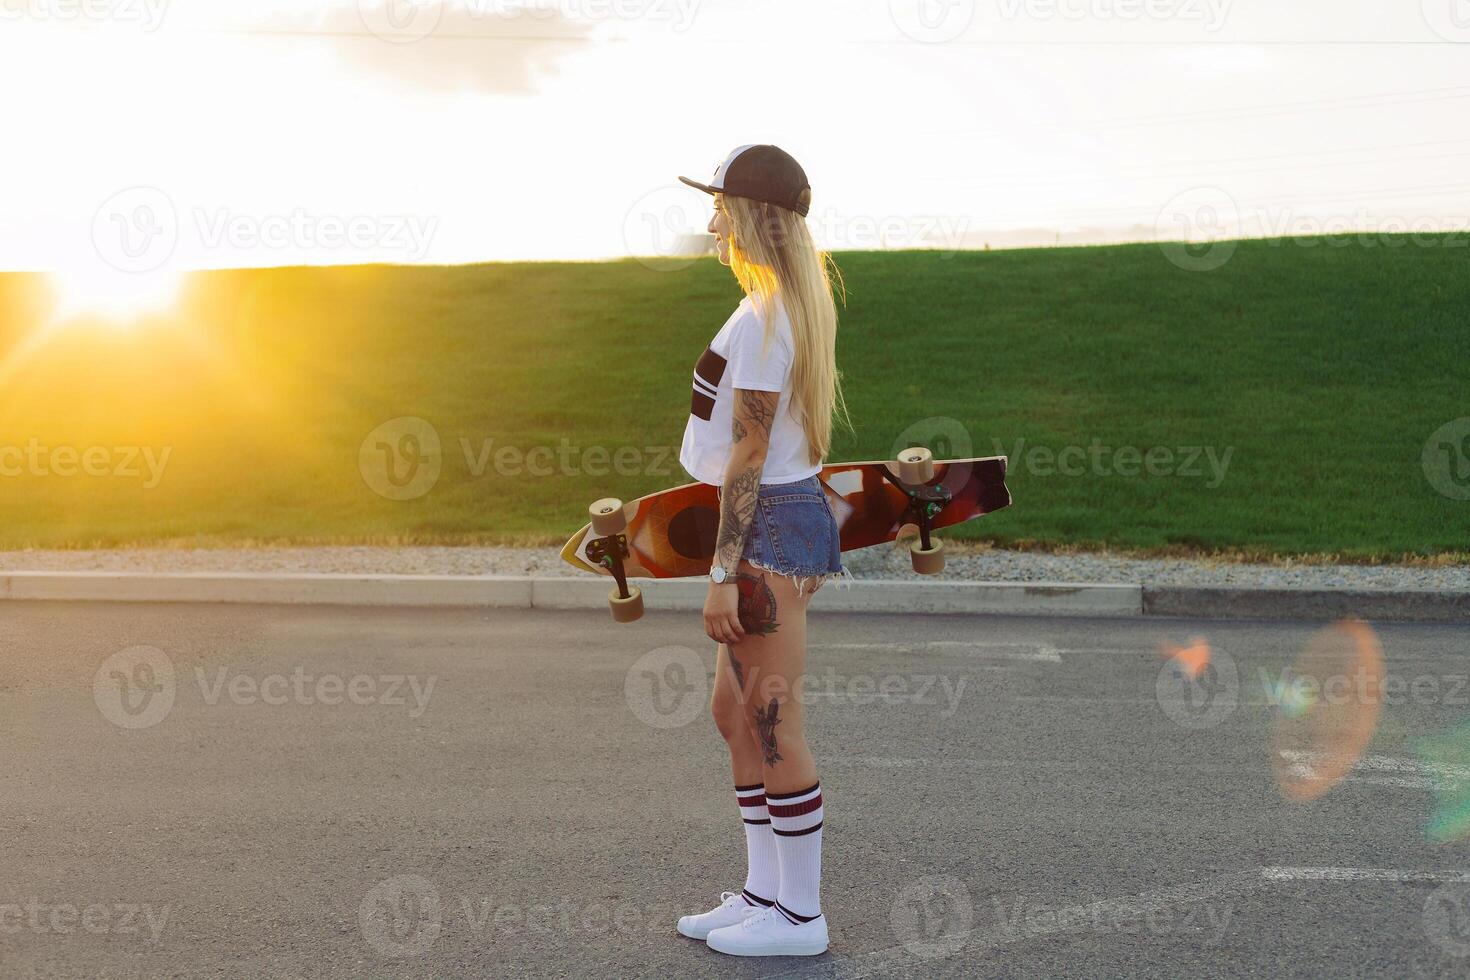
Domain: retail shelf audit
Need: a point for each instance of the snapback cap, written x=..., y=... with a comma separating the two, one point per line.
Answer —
x=761, y=172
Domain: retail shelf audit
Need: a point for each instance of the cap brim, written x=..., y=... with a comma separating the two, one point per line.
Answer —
x=701, y=187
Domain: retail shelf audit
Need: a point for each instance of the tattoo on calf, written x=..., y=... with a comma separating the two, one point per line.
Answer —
x=739, y=670
x=766, y=721
x=756, y=604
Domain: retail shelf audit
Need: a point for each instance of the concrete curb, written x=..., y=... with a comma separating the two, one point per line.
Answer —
x=1242, y=602
x=868, y=595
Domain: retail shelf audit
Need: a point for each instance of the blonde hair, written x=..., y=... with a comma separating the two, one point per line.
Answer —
x=774, y=258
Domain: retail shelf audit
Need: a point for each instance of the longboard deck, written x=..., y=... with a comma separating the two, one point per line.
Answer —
x=671, y=534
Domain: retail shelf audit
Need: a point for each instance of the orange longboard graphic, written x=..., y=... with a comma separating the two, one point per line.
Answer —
x=672, y=534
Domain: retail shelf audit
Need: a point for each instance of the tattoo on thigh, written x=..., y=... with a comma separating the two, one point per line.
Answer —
x=739, y=670
x=756, y=605
x=766, y=721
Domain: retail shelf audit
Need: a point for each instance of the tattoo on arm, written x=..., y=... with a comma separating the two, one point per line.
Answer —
x=766, y=721
x=751, y=438
x=737, y=511
x=755, y=411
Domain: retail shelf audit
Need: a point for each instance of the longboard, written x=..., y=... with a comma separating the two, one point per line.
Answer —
x=671, y=534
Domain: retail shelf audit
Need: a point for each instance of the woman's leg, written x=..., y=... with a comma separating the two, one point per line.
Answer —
x=769, y=665
x=762, y=876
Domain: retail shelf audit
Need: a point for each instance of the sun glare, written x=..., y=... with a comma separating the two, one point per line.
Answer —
x=120, y=298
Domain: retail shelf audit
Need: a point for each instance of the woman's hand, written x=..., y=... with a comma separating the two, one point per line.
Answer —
x=722, y=613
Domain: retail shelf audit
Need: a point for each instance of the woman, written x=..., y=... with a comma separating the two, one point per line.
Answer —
x=760, y=424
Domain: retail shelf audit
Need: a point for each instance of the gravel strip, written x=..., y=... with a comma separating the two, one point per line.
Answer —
x=991, y=565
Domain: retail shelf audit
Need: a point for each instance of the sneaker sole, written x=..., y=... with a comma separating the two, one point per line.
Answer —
x=783, y=949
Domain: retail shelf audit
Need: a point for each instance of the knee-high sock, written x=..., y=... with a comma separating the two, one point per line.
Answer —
x=796, y=819
x=763, y=874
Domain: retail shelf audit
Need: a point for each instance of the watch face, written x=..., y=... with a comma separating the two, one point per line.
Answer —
x=718, y=575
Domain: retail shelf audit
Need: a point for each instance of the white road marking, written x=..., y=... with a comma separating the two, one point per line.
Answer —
x=897, y=959
x=1417, y=775
x=1360, y=874
x=1000, y=651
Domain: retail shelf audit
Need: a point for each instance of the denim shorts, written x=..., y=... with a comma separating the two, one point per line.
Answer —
x=794, y=532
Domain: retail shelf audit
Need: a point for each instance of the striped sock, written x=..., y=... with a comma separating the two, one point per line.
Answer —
x=796, y=819
x=763, y=871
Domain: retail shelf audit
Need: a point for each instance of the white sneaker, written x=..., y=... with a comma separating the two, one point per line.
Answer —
x=769, y=933
x=733, y=908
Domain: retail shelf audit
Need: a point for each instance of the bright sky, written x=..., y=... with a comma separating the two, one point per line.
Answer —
x=206, y=133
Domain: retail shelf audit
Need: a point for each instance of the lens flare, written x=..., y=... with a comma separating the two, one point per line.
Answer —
x=1193, y=659
x=1327, y=708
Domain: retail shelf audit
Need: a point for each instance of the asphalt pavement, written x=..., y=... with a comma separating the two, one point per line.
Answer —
x=252, y=791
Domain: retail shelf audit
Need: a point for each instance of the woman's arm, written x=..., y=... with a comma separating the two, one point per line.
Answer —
x=751, y=440
x=754, y=412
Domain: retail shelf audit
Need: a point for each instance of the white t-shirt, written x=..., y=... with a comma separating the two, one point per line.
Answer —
x=733, y=360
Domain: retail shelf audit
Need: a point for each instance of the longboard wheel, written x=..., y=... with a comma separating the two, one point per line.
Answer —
x=626, y=610
x=930, y=562
x=916, y=465
x=607, y=516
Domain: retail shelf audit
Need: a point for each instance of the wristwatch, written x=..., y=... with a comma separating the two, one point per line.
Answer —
x=718, y=575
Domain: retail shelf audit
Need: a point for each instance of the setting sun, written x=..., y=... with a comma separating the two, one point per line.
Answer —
x=105, y=293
